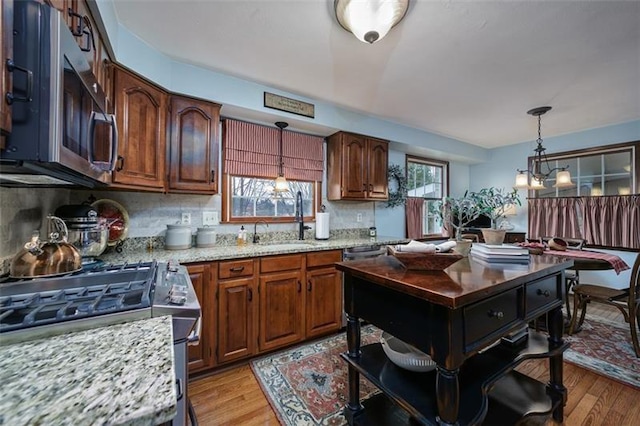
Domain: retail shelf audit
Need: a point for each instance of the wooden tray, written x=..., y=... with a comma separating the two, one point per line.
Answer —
x=425, y=261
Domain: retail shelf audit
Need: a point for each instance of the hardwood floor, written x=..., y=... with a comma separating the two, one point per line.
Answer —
x=234, y=397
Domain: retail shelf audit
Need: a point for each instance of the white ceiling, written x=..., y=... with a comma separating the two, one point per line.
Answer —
x=465, y=69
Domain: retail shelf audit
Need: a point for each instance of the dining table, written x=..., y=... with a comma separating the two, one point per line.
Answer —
x=586, y=260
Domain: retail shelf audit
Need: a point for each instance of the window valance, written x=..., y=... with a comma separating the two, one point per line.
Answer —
x=608, y=221
x=253, y=150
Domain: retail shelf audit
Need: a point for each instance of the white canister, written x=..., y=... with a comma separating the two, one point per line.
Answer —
x=178, y=237
x=206, y=237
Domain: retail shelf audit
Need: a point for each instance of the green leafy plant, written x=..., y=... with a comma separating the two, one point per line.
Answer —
x=465, y=209
x=494, y=202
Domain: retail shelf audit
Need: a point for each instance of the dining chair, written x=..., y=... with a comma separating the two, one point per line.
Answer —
x=626, y=300
x=571, y=276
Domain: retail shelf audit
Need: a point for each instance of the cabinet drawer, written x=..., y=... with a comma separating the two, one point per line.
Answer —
x=491, y=315
x=542, y=293
x=236, y=268
x=322, y=258
x=281, y=263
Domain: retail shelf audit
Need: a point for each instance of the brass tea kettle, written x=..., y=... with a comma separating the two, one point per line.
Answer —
x=46, y=259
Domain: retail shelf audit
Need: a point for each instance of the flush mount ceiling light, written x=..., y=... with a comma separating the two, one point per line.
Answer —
x=370, y=20
x=538, y=177
x=281, y=184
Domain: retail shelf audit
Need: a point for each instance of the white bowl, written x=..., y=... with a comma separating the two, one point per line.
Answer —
x=404, y=355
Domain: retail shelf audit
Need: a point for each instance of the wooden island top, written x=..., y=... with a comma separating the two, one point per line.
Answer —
x=462, y=283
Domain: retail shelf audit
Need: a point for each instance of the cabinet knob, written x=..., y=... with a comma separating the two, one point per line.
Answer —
x=496, y=314
x=249, y=295
x=309, y=285
x=237, y=269
x=544, y=293
x=213, y=176
x=299, y=286
x=120, y=163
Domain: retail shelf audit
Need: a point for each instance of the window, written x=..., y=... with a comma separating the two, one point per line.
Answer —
x=428, y=179
x=254, y=198
x=253, y=156
x=609, y=170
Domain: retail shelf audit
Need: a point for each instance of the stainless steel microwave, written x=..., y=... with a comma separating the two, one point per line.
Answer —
x=61, y=131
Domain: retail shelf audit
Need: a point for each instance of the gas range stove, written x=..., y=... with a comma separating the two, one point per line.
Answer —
x=95, y=297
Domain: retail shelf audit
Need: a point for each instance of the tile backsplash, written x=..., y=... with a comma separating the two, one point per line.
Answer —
x=24, y=210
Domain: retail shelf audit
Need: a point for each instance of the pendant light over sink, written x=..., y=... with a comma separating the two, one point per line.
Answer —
x=281, y=184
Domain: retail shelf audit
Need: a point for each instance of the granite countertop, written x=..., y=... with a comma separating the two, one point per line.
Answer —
x=223, y=252
x=117, y=375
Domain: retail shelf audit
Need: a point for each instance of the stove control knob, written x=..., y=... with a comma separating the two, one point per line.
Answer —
x=177, y=296
x=172, y=266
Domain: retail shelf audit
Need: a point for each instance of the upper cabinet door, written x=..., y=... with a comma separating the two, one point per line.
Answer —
x=193, y=145
x=354, y=163
x=141, y=111
x=378, y=187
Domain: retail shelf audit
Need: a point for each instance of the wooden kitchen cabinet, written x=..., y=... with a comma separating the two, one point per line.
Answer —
x=193, y=142
x=281, y=301
x=6, y=80
x=237, y=310
x=323, y=310
x=141, y=114
x=357, y=167
x=201, y=355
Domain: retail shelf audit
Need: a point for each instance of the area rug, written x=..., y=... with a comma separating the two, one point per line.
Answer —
x=604, y=347
x=307, y=385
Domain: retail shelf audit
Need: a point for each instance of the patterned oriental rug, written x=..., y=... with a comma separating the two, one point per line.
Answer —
x=307, y=385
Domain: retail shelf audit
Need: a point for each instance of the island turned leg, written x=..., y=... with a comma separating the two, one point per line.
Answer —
x=448, y=396
x=353, y=407
x=556, y=388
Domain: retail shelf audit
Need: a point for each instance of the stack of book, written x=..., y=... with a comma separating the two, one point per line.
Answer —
x=504, y=253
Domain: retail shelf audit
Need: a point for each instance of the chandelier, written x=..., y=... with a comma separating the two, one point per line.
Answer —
x=369, y=20
x=540, y=162
x=281, y=184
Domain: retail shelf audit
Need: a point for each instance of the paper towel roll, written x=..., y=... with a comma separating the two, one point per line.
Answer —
x=322, y=226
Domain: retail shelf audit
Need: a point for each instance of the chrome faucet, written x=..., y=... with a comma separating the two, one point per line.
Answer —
x=300, y=216
x=256, y=238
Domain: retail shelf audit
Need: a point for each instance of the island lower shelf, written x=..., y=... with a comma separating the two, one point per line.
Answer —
x=488, y=385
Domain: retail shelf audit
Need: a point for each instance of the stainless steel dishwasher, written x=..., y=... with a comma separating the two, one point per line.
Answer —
x=359, y=253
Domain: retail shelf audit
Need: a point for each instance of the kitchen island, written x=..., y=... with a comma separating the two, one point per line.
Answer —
x=457, y=316
x=117, y=375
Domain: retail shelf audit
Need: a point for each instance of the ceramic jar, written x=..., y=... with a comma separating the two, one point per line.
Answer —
x=178, y=237
x=206, y=237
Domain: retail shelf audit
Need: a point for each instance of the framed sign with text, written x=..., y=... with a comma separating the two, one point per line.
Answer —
x=293, y=106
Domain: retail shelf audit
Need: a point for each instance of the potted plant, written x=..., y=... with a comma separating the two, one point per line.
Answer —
x=458, y=213
x=493, y=203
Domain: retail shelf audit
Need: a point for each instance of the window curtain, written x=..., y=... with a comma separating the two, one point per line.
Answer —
x=253, y=150
x=554, y=217
x=612, y=221
x=414, y=209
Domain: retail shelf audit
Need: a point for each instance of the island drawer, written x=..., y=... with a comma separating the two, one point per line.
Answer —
x=541, y=293
x=323, y=258
x=489, y=316
x=281, y=263
x=235, y=268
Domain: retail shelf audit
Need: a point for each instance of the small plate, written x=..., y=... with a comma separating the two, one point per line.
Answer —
x=117, y=219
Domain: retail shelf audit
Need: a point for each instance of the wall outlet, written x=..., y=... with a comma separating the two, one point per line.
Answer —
x=210, y=218
x=186, y=218
x=359, y=217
